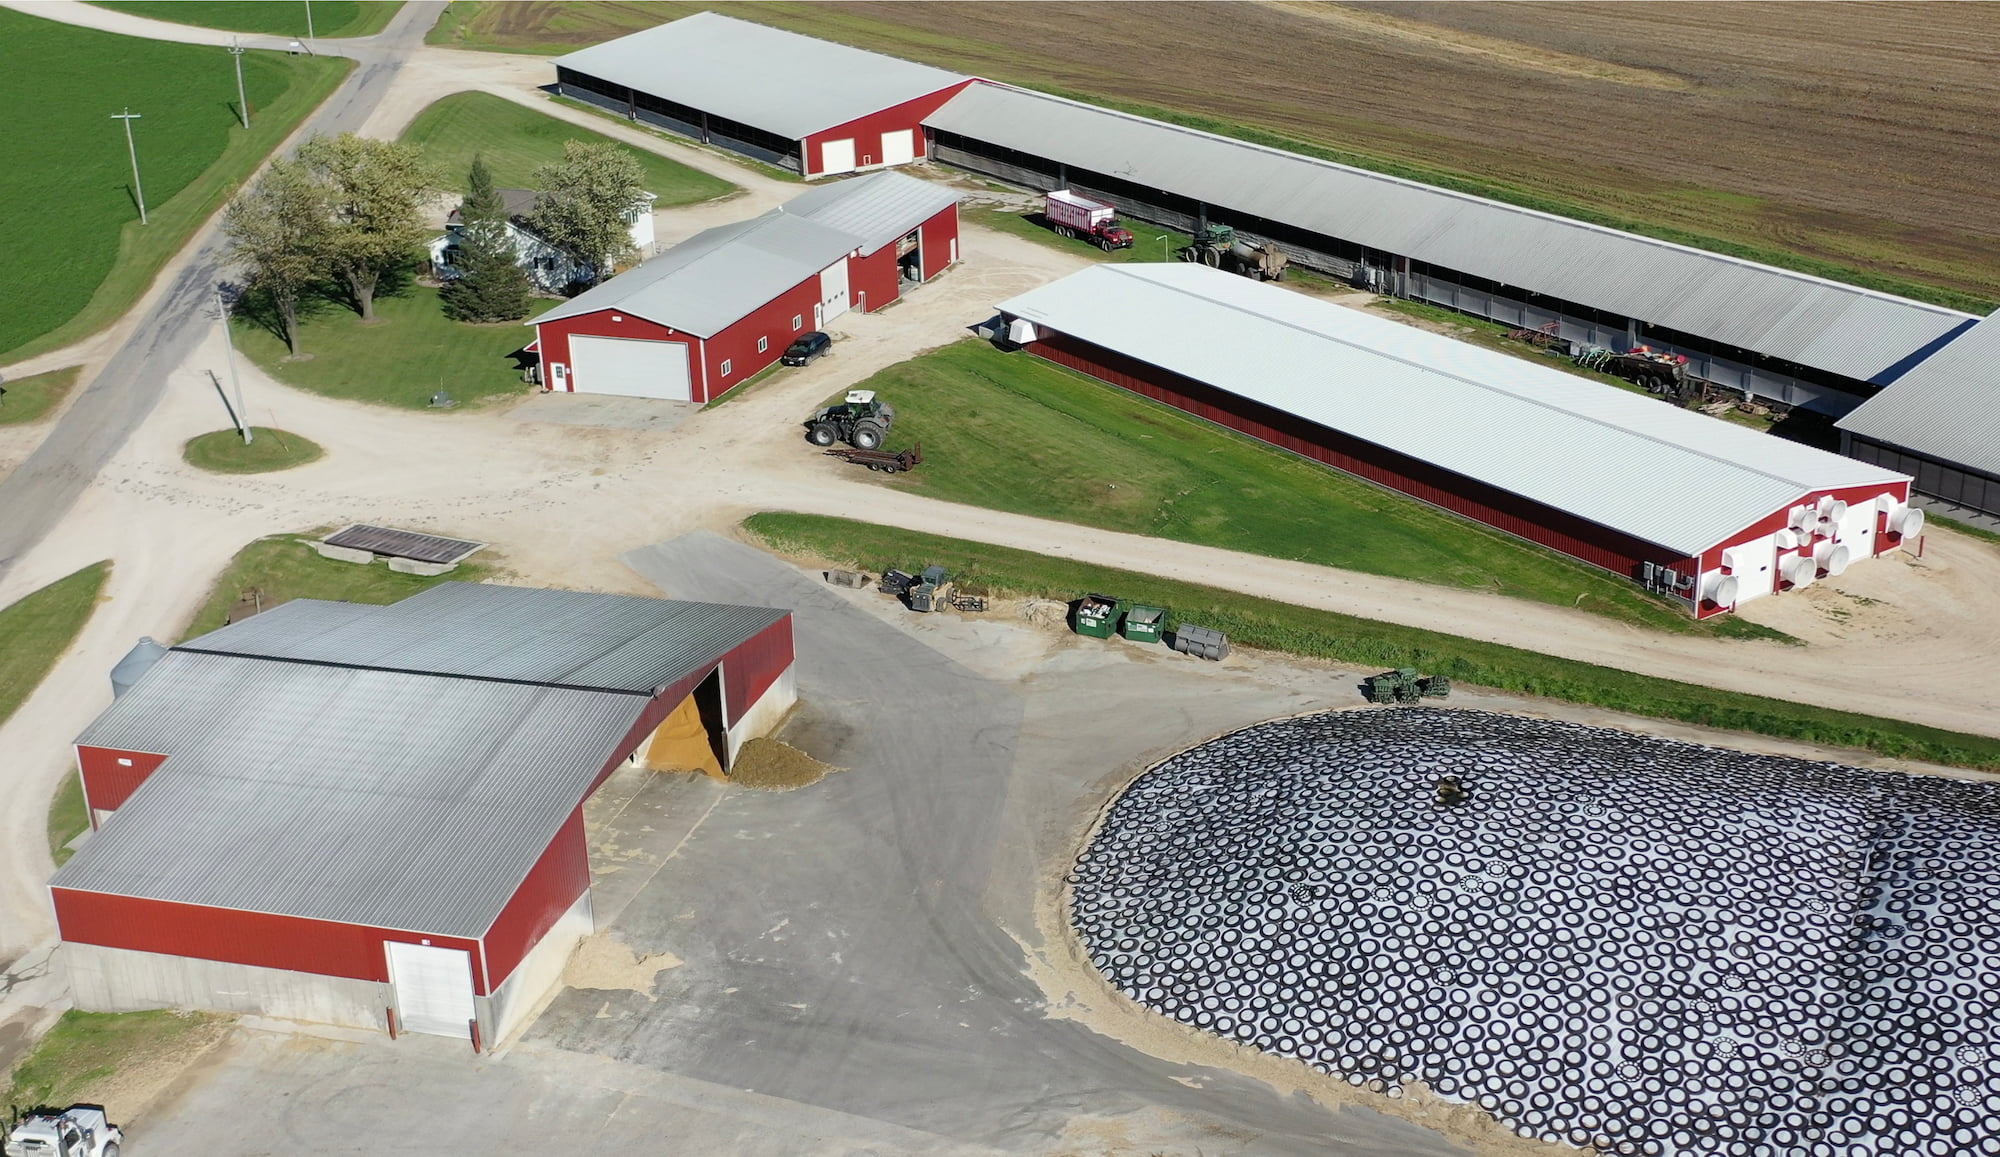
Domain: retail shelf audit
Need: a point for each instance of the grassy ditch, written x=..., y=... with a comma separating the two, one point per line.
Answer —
x=1015, y=433
x=223, y=451
x=1365, y=643
x=331, y=19
x=32, y=399
x=37, y=629
x=87, y=1053
x=278, y=569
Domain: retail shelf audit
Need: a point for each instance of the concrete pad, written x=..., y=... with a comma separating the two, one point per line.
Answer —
x=604, y=411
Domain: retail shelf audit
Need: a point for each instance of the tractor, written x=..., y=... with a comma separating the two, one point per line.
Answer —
x=78, y=1131
x=860, y=421
x=1217, y=247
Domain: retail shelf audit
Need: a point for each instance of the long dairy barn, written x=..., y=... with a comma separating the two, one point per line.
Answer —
x=1710, y=514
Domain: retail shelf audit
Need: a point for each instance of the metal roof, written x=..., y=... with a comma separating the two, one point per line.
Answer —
x=1947, y=406
x=1664, y=475
x=719, y=276
x=879, y=208
x=486, y=631
x=1855, y=332
x=403, y=543
x=778, y=81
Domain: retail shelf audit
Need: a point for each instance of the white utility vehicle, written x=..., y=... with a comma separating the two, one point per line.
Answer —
x=78, y=1131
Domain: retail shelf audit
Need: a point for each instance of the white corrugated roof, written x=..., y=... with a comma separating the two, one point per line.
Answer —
x=879, y=208
x=1855, y=332
x=1947, y=407
x=778, y=81
x=1620, y=459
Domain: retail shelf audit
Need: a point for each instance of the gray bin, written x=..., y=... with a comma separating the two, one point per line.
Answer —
x=1203, y=641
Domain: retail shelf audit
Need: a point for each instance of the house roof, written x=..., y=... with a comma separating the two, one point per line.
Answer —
x=778, y=81
x=878, y=209
x=1663, y=475
x=1858, y=333
x=1947, y=407
x=399, y=767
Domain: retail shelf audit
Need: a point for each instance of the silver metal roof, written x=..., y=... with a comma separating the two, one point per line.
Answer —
x=486, y=631
x=879, y=208
x=777, y=81
x=1847, y=330
x=1668, y=476
x=1947, y=407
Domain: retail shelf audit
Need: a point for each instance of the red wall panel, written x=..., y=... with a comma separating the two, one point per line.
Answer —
x=738, y=344
x=1779, y=519
x=873, y=281
x=866, y=132
x=106, y=783
x=255, y=938
x=750, y=669
x=553, y=337
x=939, y=233
x=551, y=886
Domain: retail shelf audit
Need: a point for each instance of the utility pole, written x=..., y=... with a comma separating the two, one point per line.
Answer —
x=235, y=49
x=309, y=28
x=128, y=116
x=242, y=422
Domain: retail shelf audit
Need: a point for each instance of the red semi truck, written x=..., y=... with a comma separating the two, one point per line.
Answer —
x=1073, y=216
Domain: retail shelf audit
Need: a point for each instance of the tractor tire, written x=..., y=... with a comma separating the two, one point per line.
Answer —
x=110, y=1149
x=1211, y=258
x=867, y=435
x=823, y=434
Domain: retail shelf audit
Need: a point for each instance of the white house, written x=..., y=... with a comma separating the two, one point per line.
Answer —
x=551, y=268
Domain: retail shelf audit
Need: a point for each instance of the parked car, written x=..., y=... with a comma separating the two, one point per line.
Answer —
x=808, y=347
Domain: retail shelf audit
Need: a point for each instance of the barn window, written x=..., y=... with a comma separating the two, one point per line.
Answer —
x=763, y=343
x=798, y=323
x=124, y=763
x=725, y=367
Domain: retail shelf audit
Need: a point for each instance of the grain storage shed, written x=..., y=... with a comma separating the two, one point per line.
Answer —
x=1693, y=507
x=1940, y=423
x=808, y=105
x=373, y=816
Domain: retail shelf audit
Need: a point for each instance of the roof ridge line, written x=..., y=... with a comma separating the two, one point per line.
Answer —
x=409, y=671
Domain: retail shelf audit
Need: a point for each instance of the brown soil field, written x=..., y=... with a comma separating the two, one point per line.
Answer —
x=1857, y=135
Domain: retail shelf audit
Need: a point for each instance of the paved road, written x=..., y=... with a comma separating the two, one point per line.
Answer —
x=36, y=495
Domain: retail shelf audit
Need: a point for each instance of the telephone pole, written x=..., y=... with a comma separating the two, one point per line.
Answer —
x=235, y=49
x=128, y=116
x=242, y=418
x=309, y=28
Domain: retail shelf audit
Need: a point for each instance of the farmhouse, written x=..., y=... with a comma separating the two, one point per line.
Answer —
x=811, y=106
x=373, y=816
x=692, y=323
x=1708, y=513
x=1939, y=424
x=550, y=267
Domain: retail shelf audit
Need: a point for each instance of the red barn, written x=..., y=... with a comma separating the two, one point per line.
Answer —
x=808, y=105
x=695, y=321
x=1708, y=513
x=373, y=816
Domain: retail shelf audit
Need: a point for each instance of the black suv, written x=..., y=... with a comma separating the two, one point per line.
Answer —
x=807, y=348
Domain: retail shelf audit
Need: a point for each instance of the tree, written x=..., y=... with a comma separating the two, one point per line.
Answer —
x=376, y=190
x=278, y=229
x=491, y=285
x=585, y=203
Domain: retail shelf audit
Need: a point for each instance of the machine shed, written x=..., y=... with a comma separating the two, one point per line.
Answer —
x=372, y=816
x=1695, y=508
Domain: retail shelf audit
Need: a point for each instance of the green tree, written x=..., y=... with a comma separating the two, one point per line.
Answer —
x=278, y=229
x=376, y=191
x=585, y=202
x=491, y=285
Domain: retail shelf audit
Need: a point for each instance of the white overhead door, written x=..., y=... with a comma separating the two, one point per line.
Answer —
x=836, y=156
x=636, y=369
x=899, y=147
x=833, y=291
x=433, y=988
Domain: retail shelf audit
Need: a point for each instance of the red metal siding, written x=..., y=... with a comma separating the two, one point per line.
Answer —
x=866, y=132
x=553, y=338
x=750, y=669
x=552, y=885
x=738, y=343
x=107, y=784
x=939, y=234
x=649, y=720
x=1559, y=530
x=1779, y=519
x=260, y=939
x=873, y=281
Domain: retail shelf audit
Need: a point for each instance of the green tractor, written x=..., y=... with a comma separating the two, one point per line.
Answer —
x=860, y=421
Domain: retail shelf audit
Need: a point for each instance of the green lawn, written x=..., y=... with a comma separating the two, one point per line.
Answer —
x=1364, y=643
x=410, y=352
x=282, y=568
x=67, y=817
x=37, y=629
x=224, y=452
x=86, y=1049
x=330, y=18
x=1146, y=239
x=67, y=181
x=1964, y=528
x=516, y=140
x=31, y=399
x=1012, y=432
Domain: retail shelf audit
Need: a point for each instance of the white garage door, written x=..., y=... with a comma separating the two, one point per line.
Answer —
x=836, y=156
x=833, y=291
x=433, y=988
x=899, y=148
x=636, y=369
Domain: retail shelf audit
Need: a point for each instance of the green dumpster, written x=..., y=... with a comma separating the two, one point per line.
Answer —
x=1144, y=624
x=1097, y=615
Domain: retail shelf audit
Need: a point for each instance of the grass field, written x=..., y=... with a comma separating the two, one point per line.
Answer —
x=331, y=19
x=223, y=451
x=516, y=140
x=1011, y=432
x=1146, y=239
x=84, y=1050
x=67, y=181
x=282, y=568
x=1846, y=141
x=1364, y=643
x=32, y=399
x=68, y=817
x=411, y=351
x=38, y=628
